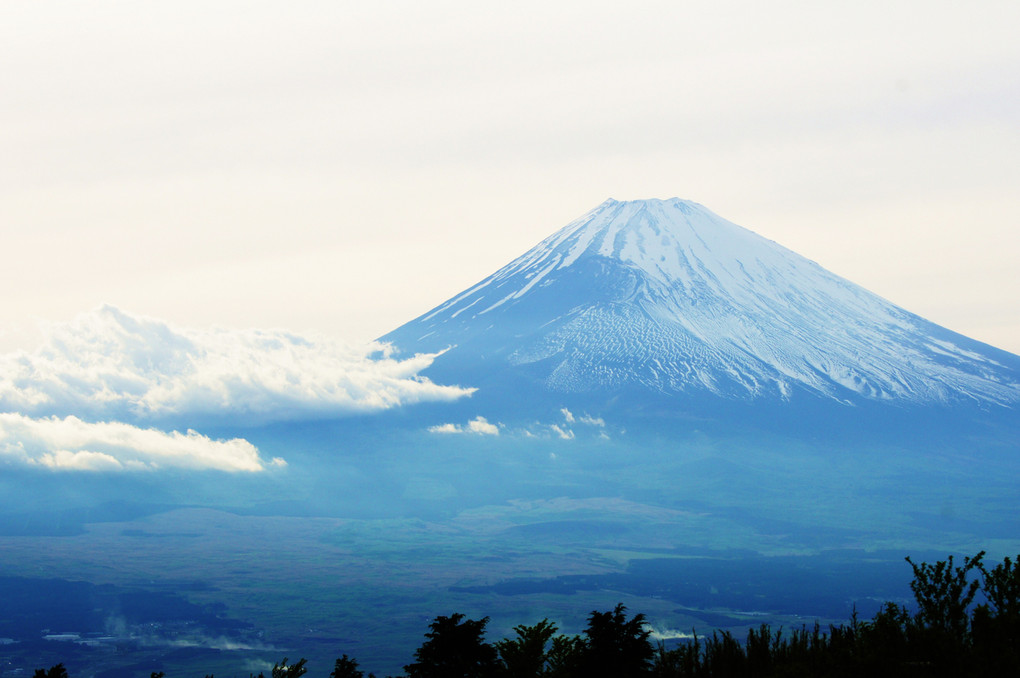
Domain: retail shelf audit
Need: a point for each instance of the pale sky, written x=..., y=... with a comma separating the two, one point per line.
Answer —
x=340, y=168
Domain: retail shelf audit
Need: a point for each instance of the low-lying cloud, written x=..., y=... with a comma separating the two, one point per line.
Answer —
x=111, y=365
x=668, y=634
x=588, y=425
x=70, y=444
x=90, y=397
x=565, y=432
x=586, y=419
x=477, y=426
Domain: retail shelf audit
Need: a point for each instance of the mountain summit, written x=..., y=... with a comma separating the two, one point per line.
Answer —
x=665, y=297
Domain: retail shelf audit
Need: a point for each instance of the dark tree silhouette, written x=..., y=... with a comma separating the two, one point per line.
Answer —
x=285, y=670
x=455, y=649
x=1001, y=587
x=525, y=655
x=940, y=631
x=616, y=647
x=57, y=671
x=996, y=623
x=346, y=667
x=944, y=594
x=565, y=657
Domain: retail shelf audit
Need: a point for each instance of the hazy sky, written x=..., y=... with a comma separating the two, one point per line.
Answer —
x=342, y=167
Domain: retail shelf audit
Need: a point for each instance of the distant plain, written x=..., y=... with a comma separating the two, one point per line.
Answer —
x=354, y=549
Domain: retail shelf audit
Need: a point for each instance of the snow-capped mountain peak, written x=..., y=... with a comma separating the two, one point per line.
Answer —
x=667, y=296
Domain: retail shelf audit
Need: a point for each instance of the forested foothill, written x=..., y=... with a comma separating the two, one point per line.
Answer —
x=965, y=621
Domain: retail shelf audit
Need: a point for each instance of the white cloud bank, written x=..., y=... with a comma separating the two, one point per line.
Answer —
x=75, y=445
x=111, y=365
x=81, y=400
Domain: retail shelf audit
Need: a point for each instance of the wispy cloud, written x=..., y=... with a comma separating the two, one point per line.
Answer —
x=564, y=430
x=108, y=364
x=565, y=434
x=70, y=444
x=477, y=426
x=586, y=418
x=568, y=427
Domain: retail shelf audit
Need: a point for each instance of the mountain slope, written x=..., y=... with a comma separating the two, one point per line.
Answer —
x=666, y=298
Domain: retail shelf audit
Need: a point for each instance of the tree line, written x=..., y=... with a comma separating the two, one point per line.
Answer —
x=965, y=622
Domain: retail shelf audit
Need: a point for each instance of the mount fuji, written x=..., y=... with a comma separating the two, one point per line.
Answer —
x=665, y=409
x=663, y=300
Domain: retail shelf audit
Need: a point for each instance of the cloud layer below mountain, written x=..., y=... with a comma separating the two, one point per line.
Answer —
x=85, y=399
x=108, y=364
x=70, y=444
